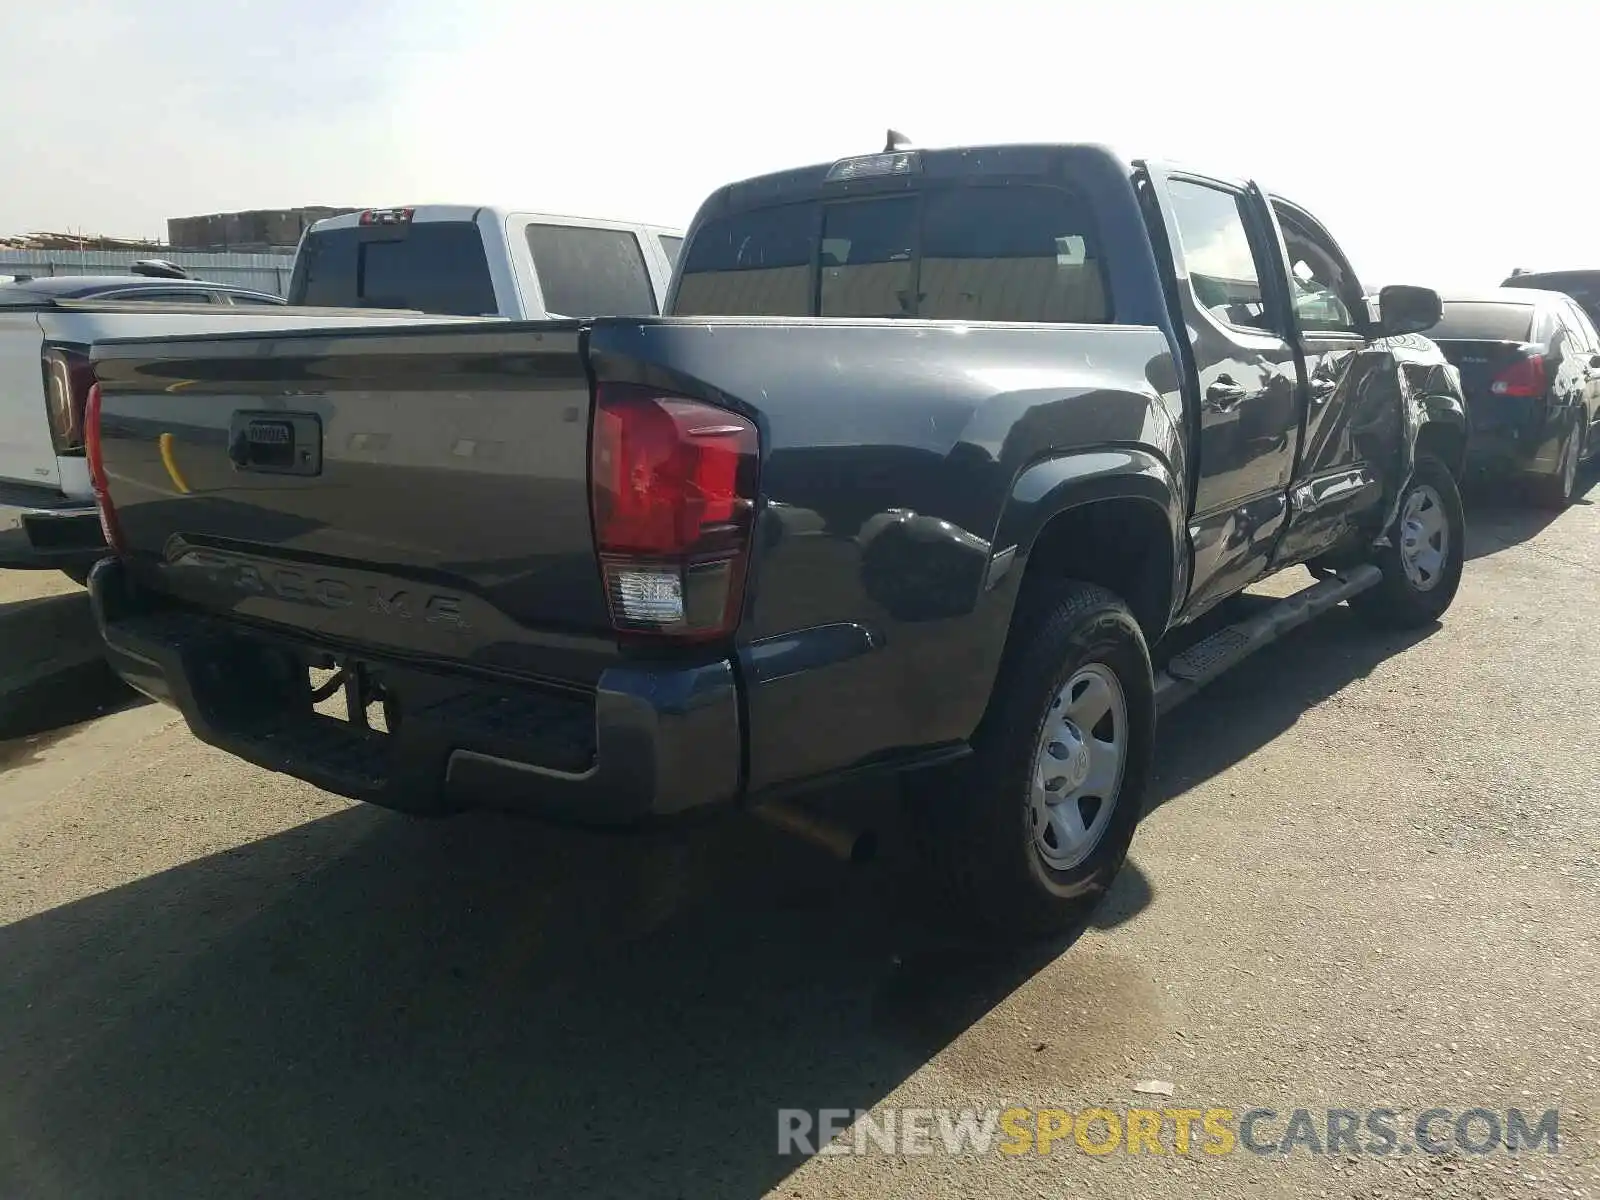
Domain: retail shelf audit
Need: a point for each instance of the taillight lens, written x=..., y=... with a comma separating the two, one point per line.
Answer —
x=68, y=376
x=673, y=490
x=95, y=454
x=1525, y=377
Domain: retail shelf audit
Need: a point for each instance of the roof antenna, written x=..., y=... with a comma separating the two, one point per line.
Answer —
x=896, y=141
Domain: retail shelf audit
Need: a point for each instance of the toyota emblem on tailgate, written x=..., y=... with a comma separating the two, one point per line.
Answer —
x=269, y=433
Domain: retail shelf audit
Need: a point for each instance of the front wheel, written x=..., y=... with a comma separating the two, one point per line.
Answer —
x=1029, y=832
x=1424, y=554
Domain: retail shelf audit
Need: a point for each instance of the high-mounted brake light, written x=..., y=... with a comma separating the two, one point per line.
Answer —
x=387, y=216
x=1525, y=377
x=68, y=376
x=673, y=491
x=902, y=162
x=94, y=452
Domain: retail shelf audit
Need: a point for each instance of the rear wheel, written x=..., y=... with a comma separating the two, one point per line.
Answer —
x=1424, y=554
x=1556, y=490
x=1029, y=832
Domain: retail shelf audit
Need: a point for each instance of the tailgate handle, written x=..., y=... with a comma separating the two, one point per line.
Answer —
x=276, y=443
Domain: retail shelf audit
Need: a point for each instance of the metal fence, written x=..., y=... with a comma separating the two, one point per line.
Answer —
x=263, y=272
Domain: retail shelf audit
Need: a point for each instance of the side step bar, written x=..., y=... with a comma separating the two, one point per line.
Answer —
x=1197, y=666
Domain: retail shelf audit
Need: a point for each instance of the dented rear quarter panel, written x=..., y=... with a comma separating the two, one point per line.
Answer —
x=907, y=466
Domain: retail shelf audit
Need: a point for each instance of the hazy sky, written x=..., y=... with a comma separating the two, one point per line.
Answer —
x=1441, y=143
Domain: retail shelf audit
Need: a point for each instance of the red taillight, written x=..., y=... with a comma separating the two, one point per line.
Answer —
x=68, y=376
x=673, y=488
x=95, y=454
x=1525, y=377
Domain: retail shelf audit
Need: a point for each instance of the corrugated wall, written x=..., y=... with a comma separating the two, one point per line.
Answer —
x=263, y=272
x=251, y=232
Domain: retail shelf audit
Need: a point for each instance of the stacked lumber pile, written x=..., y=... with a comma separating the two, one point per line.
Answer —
x=75, y=241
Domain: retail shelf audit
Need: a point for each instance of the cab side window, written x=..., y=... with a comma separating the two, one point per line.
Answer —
x=1225, y=267
x=1322, y=287
x=162, y=296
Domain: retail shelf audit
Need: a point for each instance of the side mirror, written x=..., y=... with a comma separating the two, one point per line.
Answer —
x=1406, y=309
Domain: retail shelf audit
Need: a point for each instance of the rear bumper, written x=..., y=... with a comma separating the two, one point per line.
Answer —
x=649, y=741
x=39, y=527
x=1524, y=442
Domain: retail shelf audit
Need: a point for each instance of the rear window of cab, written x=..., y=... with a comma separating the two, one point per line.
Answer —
x=1019, y=252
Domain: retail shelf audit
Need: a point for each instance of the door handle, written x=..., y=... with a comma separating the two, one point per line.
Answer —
x=1223, y=394
x=1321, y=389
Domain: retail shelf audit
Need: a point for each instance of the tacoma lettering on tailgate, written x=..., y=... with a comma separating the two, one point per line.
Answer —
x=306, y=587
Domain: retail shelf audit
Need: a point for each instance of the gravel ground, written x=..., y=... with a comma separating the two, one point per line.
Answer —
x=1370, y=877
x=33, y=585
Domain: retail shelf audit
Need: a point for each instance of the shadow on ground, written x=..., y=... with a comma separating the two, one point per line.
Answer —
x=1265, y=695
x=367, y=1005
x=1500, y=515
x=53, y=672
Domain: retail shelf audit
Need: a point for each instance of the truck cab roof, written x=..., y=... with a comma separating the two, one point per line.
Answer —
x=884, y=170
x=473, y=212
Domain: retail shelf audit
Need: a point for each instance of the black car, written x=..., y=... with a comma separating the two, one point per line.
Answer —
x=1530, y=370
x=1582, y=286
x=138, y=287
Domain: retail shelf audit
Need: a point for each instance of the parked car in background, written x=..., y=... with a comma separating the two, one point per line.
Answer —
x=148, y=289
x=1057, y=406
x=47, y=514
x=1530, y=369
x=485, y=261
x=1582, y=286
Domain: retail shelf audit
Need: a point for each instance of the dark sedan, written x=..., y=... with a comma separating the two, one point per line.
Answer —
x=1530, y=369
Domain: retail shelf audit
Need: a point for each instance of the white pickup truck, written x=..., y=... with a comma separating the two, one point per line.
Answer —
x=47, y=512
x=439, y=260
x=485, y=261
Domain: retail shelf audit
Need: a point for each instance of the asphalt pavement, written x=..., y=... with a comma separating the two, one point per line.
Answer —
x=1369, y=879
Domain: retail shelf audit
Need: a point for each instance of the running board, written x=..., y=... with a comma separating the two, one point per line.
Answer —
x=1197, y=666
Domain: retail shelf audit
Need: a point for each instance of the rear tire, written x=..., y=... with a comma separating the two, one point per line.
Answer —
x=1556, y=491
x=1028, y=833
x=1426, y=551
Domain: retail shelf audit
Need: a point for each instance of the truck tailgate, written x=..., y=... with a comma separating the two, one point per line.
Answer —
x=423, y=490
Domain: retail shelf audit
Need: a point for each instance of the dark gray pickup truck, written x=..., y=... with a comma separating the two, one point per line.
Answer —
x=931, y=460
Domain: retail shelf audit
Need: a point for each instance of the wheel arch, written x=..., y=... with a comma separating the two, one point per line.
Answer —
x=1112, y=517
x=1442, y=431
